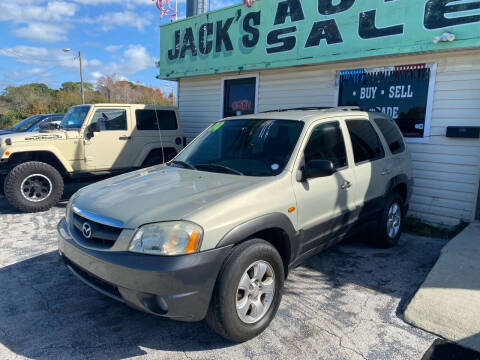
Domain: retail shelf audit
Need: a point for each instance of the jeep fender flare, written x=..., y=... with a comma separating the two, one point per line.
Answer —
x=48, y=149
x=275, y=220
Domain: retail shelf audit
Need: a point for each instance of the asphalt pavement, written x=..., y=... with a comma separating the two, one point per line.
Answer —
x=345, y=303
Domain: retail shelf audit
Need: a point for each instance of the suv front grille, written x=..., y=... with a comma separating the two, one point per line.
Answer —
x=101, y=235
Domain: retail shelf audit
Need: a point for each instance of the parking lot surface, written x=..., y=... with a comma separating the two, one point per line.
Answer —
x=345, y=303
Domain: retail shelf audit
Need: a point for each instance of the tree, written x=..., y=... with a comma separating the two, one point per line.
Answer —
x=75, y=86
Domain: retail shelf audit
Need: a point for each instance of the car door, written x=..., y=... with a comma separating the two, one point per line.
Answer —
x=371, y=170
x=109, y=148
x=326, y=205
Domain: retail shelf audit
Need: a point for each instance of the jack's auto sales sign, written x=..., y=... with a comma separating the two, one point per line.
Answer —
x=273, y=33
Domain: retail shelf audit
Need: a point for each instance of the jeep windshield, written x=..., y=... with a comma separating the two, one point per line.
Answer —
x=74, y=117
x=252, y=147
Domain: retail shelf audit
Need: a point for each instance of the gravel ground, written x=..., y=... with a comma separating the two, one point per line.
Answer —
x=345, y=303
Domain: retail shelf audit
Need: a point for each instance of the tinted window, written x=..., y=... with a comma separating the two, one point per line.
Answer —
x=391, y=134
x=239, y=97
x=111, y=119
x=253, y=147
x=326, y=143
x=365, y=142
x=152, y=119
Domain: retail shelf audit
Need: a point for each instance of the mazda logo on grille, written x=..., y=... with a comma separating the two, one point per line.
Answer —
x=87, y=230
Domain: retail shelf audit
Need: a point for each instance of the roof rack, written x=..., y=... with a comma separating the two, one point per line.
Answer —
x=299, y=108
x=306, y=108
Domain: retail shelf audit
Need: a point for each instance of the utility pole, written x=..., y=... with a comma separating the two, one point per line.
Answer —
x=81, y=77
x=82, y=93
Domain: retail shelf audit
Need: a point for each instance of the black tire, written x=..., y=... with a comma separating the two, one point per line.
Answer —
x=383, y=239
x=15, y=178
x=222, y=314
x=2, y=185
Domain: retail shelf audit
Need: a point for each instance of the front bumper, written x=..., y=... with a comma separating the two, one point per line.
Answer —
x=178, y=287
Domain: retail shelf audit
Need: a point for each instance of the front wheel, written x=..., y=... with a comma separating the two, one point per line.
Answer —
x=391, y=222
x=33, y=186
x=248, y=291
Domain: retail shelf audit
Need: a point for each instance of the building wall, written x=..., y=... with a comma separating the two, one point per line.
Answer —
x=446, y=170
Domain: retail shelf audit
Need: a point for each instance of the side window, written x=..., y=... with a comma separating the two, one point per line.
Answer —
x=326, y=143
x=365, y=142
x=111, y=119
x=392, y=134
x=153, y=119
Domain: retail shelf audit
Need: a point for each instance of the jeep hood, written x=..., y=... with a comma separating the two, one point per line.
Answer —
x=30, y=137
x=159, y=193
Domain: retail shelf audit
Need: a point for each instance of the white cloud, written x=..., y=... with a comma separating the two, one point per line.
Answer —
x=135, y=58
x=108, y=21
x=113, y=48
x=41, y=56
x=42, y=32
x=125, y=2
x=20, y=12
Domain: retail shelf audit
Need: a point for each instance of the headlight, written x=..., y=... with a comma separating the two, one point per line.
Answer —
x=68, y=209
x=167, y=238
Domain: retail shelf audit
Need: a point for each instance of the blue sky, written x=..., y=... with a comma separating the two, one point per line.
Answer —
x=116, y=37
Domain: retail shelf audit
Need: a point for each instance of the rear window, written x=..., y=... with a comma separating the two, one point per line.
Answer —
x=365, y=142
x=391, y=134
x=156, y=120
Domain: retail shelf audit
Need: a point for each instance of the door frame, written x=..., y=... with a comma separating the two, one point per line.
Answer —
x=222, y=89
x=477, y=211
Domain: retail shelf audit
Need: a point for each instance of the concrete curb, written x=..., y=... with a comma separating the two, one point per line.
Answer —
x=448, y=301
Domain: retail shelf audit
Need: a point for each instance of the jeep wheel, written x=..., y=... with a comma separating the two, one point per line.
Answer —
x=391, y=222
x=33, y=186
x=248, y=291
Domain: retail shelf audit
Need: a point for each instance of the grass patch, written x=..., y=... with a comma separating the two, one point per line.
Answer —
x=417, y=226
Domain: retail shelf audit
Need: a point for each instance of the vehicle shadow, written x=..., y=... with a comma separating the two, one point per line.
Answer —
x=396, y=272
x=45, y=310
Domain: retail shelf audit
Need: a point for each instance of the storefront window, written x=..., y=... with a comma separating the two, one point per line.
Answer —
x=239, y=96
x=402, y=92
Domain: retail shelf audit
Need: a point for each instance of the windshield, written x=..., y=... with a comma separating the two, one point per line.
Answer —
x=25, y=124
x=74, y=117
x=253, y=147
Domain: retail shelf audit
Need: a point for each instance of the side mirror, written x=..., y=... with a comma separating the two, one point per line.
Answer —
x=318, y=168
x=93, y=127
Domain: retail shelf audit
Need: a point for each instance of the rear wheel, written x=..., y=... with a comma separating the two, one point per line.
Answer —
x=248, y=291
x=33, y=186
x=391, y=222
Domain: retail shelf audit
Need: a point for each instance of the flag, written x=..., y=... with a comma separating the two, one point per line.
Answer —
x=165, y=8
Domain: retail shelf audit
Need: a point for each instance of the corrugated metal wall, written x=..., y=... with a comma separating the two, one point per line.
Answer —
x=446, y=170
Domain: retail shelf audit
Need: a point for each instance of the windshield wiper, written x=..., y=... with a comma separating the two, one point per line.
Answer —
x=219, y=167
x=182, y=164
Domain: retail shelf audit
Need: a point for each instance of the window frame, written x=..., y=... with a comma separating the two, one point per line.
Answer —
x=430, y=97
x=150, y=109
x=380, y=140
x=106, y=109
x=222, y=90
x=386, y=145
x=316, y=125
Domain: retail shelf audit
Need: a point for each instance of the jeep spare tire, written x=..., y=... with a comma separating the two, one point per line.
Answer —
x=33, y=186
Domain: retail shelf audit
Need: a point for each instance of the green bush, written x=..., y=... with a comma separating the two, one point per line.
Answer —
x=10, y=118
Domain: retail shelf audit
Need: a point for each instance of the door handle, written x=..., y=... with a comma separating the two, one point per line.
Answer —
x=385, y=172
x=346, y=185
x=124, y=138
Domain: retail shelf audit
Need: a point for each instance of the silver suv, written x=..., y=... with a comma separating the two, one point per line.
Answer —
x=214, y=232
